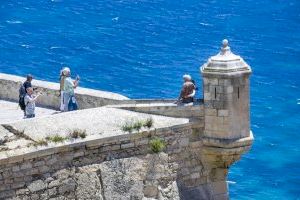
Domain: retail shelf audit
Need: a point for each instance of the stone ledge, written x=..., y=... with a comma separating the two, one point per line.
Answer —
x=190, y=111
x=31, y=153
x=228, y=143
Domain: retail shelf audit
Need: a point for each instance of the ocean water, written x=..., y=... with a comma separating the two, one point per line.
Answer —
x=141, y=49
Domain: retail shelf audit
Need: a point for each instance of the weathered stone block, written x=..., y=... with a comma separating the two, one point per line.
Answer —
x=26, y=165
x=51, y=161
x=150, y=191
x=78, y=154
x=207, y=96
x=22, y=191
x=44, y=169
x=17, y=185
x=34, y=197
x=68, y=185
x=39, y=163
x=6, y=194
x=210, y=112
x=16, y=168
x=37, y=186
x=128, y=145
x=195, y=175
x=142, y=142
x=184, y=142
x=52, y=192
x=54, y=183
x=223, y=113
x=221, y=197
x=229, y=89
x=219, y=187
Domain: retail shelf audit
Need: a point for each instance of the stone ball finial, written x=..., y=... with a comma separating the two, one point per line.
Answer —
x=225, y=49
x=225, y=42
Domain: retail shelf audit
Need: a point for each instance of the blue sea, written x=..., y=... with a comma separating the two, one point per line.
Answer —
x=141, y=49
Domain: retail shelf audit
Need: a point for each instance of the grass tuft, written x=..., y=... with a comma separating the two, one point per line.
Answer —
x=56, y=138
x=137, y=125
x=40, y=142
x=78, y=133
x=148, y=122
x=127, y=127
x=157, y=145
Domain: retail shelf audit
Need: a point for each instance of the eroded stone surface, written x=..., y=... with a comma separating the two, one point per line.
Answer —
x=146, y=177
x=9, y=141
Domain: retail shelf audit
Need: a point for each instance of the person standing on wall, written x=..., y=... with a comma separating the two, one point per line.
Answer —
x=61, y=87
x=69, y=99
x=29, y=101
x=23, y=91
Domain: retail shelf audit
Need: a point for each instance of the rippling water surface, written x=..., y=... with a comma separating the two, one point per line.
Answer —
x=142, y=48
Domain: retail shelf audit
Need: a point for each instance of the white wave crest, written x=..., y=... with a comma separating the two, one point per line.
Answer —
x=14, y=22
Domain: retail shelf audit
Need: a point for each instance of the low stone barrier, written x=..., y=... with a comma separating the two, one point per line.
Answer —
x=87, y=98
x=194, y=112
x=191, y=111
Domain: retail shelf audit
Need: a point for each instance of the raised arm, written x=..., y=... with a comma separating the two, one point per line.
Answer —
x=76, y=81
x=31, y=100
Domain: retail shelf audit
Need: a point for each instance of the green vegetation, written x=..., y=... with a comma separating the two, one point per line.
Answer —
x=157, y=145
x=78, y=133
x=56, y=138
x=148, y=122
x=40, y=142
x=127, y=127
x=137, y=125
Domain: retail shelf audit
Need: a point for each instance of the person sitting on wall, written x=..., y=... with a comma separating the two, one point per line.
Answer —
x=188, y=90
x=69, y=99
x=23, y=92
x=29, y=101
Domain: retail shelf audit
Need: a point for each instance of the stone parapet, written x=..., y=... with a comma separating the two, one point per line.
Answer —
x=191, y=111
x=87, y=98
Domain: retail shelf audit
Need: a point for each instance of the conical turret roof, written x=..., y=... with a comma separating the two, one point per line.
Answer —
x=225, y=62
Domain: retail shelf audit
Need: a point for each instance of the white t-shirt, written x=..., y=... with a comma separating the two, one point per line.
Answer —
x=30, y=105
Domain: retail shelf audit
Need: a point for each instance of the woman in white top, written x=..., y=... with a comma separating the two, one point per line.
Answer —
x=62, y=78
x=69, y=94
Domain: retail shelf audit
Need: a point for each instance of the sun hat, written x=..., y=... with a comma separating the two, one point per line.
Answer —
x=66, y=70
x=187, y=77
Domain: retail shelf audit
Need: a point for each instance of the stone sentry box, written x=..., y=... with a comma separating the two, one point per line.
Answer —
x=226, y=95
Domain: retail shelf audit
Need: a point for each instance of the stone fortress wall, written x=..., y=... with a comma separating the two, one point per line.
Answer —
x=194, y=164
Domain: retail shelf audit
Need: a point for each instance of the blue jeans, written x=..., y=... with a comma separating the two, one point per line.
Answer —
x=30, y=116
x=69, y=102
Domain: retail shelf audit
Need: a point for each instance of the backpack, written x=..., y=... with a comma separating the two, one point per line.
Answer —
x=22, y=94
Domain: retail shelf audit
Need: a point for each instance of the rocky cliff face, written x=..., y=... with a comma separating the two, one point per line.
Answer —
x=146, y=177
